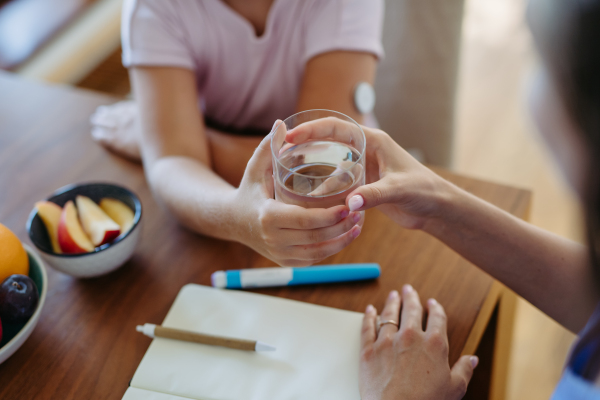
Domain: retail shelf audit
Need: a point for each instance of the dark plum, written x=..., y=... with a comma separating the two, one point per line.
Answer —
x=18, y=298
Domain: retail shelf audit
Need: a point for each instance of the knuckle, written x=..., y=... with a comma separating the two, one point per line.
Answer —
x=379, y=133
x=333, y=219
x=315, y=236
x=265, y=218
x=407, y=336
x=376, y=194
x=386, y=341
x=437, y=342
x=303, y=222
x=318, y=254
x=268, y=240
x=367, y=353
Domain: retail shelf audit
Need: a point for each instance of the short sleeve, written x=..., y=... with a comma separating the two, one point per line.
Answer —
x=152, y=35
x=353, y=25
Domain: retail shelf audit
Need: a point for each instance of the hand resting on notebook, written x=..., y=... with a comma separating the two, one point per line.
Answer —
x=407, y=362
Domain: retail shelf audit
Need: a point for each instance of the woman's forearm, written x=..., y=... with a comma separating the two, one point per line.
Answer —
x=195, y=195
x=551, y=272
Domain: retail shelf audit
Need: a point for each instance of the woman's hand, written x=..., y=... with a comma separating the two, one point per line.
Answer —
x=407, y=362
x=406, y=190
x=286, y=234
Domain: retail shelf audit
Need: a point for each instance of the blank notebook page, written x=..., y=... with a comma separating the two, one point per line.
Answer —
x=317, y=350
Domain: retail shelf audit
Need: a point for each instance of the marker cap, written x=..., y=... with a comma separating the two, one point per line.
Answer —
x=219, y=279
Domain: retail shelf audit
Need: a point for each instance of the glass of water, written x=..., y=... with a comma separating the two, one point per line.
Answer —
x=321, y=171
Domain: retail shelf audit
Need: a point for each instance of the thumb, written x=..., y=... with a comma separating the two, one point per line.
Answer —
x=372, y=195
x=260, y=164
x=462, y=372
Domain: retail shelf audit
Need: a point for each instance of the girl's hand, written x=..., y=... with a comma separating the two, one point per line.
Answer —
x=404, y=189
x=286, y=234
x=409, y=363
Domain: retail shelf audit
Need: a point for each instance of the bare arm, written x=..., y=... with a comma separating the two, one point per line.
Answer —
x=175, y=151
x=330, y=78
x=549, y=271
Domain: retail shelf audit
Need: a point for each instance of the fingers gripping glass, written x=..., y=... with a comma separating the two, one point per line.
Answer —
x=318, y=158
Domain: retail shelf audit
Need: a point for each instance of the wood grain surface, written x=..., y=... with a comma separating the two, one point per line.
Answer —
x=86, y=346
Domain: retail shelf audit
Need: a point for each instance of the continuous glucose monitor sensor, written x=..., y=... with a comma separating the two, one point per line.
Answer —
x=364, y=97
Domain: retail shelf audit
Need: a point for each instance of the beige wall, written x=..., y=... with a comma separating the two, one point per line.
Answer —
x=416, y=81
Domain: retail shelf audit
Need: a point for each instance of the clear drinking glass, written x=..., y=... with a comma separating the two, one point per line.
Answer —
x=323, y=170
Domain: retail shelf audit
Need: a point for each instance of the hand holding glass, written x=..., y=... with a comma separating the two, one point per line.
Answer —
x=315, y=166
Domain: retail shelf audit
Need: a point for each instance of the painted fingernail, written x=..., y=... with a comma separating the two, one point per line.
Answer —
x=407, y=289
x=355, y=232
x=344, y=213
x=370, y=309
x=474, y=361
x=355, y=202
x=394, y=294
x=355, y=217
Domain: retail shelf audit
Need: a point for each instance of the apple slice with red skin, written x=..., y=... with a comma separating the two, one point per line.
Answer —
x=118, y=212
x=71, y=237
x=98, y=226
x=50, y=214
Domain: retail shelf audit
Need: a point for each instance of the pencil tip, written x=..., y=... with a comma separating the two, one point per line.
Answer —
x=263, y=347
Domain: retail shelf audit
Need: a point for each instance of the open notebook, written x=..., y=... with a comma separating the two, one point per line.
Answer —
x=316, y=358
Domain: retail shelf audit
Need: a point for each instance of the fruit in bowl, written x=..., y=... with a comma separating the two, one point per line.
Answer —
x=82, y=226
x=18, y=298
x=22, y=292
x=87, y=229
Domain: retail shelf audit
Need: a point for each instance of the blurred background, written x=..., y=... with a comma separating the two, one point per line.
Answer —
x=452, y=89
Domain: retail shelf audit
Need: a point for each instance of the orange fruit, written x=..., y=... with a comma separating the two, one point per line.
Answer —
x=13, y=257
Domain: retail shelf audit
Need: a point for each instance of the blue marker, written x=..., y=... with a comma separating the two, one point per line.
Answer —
x=286, y=276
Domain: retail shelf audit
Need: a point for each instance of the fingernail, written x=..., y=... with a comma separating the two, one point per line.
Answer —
x=407, y=289
x=370, y=309
x=432, y=302
x=344, y=213
x=356, y=217
x=474, y=361
x=275, y=124
x=394, y=294
x=355, y=232
x=355, y=202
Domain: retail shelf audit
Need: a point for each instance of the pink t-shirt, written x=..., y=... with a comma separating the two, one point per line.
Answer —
x=246, y=81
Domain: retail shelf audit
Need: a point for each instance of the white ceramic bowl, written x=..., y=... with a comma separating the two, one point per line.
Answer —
x=37, y=272
x=103, y=259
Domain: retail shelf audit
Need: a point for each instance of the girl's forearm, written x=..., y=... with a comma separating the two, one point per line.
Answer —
x=551, y=272
x=195, y=195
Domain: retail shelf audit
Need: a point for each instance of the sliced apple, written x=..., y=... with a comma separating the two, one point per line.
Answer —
x=50, y=214
x=99, y=227
x=118, y=212
x=71, y=237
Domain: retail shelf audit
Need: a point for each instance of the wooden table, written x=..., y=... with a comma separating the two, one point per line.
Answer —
x=85, y=345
